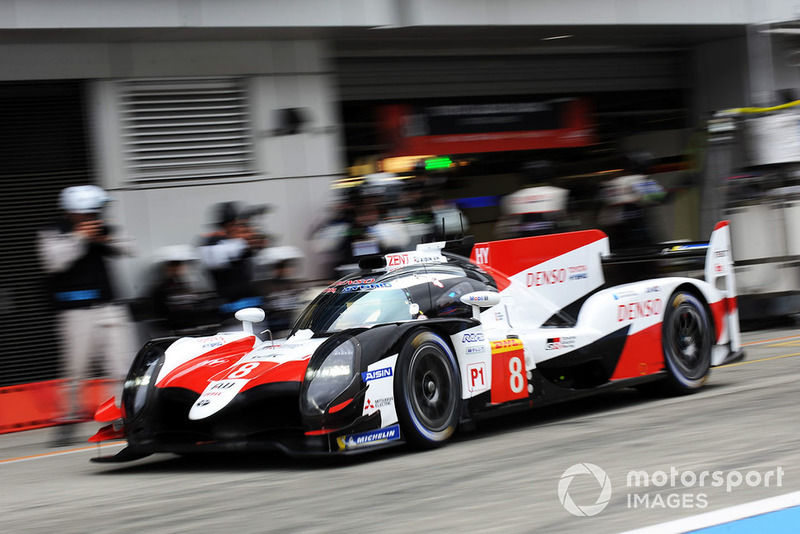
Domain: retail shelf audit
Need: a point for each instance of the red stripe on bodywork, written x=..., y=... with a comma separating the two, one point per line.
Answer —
x=511, y=256
x=499, y=278
x=291, y=371
x=642, y=354
x=108, y=411
x=718, y=311
x=339, y=407
x=321, y=432
x=195, y=374
x=731, y=304
x=721, y=224
x=107, y=433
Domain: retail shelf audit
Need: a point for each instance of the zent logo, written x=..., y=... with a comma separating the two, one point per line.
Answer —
x=376, y=374
x=396, y=260
x=473, y=337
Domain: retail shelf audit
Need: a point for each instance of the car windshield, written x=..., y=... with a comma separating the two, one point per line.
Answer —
x=333, y=312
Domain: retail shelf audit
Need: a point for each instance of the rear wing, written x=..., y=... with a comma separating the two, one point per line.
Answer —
x=559, y=268
x=717, y=270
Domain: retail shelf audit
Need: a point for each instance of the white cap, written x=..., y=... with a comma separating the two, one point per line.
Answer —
x=184, y=253
x=83, y=199
x=540, y=199
x=275, y=255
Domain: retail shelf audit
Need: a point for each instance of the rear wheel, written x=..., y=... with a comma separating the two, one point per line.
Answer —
x=428, y=390
x=687, y=342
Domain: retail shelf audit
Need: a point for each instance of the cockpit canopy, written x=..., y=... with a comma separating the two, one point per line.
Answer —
x=409, y=293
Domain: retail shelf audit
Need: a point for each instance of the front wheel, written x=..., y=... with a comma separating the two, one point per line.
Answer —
x=687, y=343
x=428, y=390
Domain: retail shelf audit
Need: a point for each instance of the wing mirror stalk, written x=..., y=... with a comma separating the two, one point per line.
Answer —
x=480, y=299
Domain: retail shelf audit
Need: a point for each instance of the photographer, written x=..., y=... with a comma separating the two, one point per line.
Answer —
x=74, y=254
x=228, y=253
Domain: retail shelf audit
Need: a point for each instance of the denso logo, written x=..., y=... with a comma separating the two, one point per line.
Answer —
x=637, y=310
x=546, y=278
x=375, y=374
x=473, y=337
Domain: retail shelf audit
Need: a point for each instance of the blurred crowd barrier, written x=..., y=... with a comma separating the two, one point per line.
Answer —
x=41, y=404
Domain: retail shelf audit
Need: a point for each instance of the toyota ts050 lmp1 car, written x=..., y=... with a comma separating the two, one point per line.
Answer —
x=421, y=343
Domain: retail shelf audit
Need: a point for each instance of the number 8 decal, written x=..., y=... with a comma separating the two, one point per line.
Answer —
x=516, y=380
x=244, y=370
x=509, y=376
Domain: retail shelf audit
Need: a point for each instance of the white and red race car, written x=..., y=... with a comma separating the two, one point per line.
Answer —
x=421, y=343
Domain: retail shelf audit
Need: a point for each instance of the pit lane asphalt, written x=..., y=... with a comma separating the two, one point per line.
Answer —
x=501, y=478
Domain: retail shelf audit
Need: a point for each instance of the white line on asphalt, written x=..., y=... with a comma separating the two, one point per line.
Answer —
x=720, y=517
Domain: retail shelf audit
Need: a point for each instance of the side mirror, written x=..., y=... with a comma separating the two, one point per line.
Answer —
x=480, y=299
x=248, y=316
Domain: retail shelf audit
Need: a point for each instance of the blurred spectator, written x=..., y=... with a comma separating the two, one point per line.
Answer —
x=385, y=214
x=625, y=199
x=177, y=300
x=74, y=253
x=327, y=238
x=281, y=284
x=448, y=221
x=227, y=254
x=537, y=209
x=362, y=238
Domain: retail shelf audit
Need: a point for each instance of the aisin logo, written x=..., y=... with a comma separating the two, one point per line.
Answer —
x=584, y=469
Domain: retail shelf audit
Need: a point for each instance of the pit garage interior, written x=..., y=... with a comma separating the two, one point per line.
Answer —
x=639, y=97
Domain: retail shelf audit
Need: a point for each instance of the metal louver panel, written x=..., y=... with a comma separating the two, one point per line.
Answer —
x=185, y=130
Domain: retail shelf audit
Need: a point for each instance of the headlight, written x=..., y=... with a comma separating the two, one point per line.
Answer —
x=143, y=372
x=328, y=380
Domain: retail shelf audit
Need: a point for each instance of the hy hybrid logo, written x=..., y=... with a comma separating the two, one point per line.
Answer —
x=602, y=480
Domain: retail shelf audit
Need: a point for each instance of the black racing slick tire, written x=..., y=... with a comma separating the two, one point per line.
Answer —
x=687, y=339
x=427, y=389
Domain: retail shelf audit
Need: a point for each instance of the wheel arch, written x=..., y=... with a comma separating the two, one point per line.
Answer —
x=445, y=328
x=410, y=411
x=678, y=346
x=697, y=291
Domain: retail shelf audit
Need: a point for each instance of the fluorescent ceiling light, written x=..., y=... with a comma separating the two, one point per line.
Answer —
x=785, y=31
x=554, y=37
